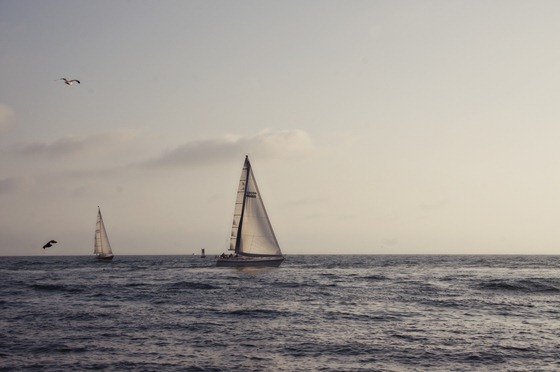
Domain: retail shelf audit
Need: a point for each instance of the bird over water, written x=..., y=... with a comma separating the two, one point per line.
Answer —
x=49, y=244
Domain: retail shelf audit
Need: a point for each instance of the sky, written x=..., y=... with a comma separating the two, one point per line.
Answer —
x=373, y=127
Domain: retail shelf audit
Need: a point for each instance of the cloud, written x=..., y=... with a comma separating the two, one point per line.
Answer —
x=6, y=116
x=390, y=242
x=15, y=184
x=73, y=145
x=435, y=205
x=306, y=201
x=266, y=144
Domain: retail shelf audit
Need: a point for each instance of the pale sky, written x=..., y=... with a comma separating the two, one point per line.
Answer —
x=373, y=127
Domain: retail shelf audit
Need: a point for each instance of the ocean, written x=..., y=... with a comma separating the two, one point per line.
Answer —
x=314, y=313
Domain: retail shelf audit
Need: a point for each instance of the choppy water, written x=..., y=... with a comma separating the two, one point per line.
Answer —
x=330, y=313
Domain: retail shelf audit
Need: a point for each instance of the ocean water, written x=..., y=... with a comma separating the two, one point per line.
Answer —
x=314, y=313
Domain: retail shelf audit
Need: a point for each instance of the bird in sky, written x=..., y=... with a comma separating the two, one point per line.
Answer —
x=49, y=244
x=69, y=82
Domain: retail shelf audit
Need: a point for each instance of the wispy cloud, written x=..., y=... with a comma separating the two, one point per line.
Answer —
x=306, y=201
x=12, y=185
x=6, y=116
x=392, y=242
x=265, y=144
x=435, y=205
x=73, y=145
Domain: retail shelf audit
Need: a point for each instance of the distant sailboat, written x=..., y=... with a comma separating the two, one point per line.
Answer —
x=202, y=254
x=252, y=237
x=102, y=247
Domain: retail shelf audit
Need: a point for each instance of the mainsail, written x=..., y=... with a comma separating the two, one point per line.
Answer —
x=252, y=233
x=102, y=247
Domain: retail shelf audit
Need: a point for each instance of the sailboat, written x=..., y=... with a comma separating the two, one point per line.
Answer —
x=202, y=253
x=252, y=238
x=102, y=247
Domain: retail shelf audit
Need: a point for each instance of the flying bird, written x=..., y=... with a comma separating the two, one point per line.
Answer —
x=49, y=244
x=69, y=82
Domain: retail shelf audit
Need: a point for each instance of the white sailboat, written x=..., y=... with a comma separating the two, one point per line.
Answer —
x=252, y=238
x=102, y=247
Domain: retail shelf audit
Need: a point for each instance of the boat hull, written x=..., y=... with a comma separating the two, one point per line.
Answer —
x=249, y=262
x=105, y=258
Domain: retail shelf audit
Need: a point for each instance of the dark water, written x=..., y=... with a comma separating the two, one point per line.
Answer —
x=330, y=313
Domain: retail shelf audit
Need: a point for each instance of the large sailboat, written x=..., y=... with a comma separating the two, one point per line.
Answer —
x=252, y=238
x=102, y=247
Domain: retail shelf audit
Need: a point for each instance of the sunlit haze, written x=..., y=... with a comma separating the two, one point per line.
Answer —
x=374, y=127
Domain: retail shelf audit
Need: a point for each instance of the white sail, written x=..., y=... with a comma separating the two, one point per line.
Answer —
x=252, y=233
x=102, y=247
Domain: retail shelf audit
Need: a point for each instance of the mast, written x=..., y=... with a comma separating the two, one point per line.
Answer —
x=238, y=237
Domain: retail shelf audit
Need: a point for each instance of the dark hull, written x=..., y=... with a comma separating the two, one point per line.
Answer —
x=249, y=262
x=105, y=258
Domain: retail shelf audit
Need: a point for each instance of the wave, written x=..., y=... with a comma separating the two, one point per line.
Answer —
x=332, y=349
x=363, y=317
x=290, y=285
x=522, y=285
x=443, y=303
x=191, y=285
x=134, y=285
x=56, y=288
x=375, y=277
x=257, y=313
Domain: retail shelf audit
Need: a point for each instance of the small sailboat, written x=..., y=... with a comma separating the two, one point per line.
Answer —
x=102, y=247
x=202, y=253
x=252, y=238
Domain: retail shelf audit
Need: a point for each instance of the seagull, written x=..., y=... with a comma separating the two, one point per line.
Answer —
x=49, y=244
x=69, y=82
